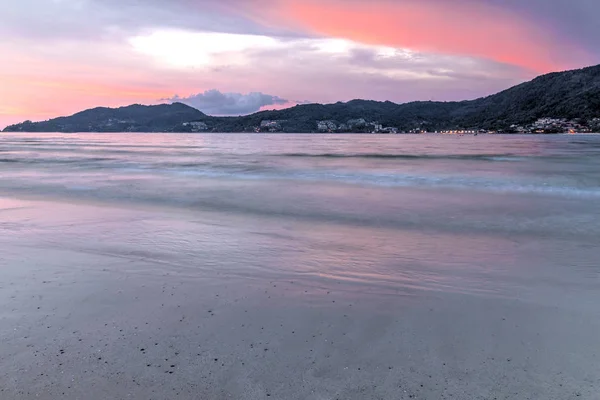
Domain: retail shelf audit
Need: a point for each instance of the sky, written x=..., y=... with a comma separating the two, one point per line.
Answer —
x=234, y=57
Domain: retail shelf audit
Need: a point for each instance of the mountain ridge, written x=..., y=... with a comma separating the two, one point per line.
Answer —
x=569, y=95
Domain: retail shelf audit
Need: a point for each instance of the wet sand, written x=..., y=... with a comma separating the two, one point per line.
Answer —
x=107, y=302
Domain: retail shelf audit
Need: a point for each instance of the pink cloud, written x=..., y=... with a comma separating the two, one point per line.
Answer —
x=472, y=29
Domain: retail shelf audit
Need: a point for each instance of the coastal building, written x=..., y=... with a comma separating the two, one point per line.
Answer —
x=327, y=126
x=377, y=127
x=196, y=126
x=271, y=125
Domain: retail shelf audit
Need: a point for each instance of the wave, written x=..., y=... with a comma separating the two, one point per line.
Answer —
x=389, y=180
x=74, y=160
x=247, y=170
x=239, y=200
x=488, y=157
x=66, y=151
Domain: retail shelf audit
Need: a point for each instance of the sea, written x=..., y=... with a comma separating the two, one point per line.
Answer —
x=467, y=189
x=360, y=266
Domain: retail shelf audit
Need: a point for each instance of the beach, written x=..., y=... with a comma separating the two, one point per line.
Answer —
x=303, y=270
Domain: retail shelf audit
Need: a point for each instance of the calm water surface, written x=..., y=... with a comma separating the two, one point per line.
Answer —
x=512, y=216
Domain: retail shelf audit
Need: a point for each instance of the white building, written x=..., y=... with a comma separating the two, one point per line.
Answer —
x=197, y=126
x=326, y=126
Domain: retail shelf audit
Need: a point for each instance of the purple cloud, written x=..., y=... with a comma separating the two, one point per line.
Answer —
x=213, y=102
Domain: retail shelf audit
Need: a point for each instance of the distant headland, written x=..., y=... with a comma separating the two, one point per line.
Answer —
x=559, y=102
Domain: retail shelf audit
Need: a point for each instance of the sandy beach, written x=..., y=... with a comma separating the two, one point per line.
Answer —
x=106, y=302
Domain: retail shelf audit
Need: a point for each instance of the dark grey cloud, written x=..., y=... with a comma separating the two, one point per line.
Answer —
x=213, y=102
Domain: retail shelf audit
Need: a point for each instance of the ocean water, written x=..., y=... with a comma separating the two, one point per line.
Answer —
x=122, y=165
x=459, y=209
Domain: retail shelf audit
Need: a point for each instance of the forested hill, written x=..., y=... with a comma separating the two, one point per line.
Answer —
x=134, y=118
x=570, y=95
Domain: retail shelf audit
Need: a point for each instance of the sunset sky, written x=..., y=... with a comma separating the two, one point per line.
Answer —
x=230, y=57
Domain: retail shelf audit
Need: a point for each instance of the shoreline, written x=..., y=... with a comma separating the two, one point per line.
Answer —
x=105, y=302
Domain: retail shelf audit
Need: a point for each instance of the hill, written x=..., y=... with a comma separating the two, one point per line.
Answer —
x=569, y=95
x=134, y=118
